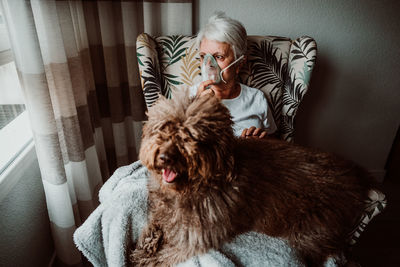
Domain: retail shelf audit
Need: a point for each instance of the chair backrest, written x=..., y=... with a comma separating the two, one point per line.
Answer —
x=278, y=66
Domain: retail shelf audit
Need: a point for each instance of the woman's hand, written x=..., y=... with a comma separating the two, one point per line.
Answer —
x=253, y=132
x=202, y=89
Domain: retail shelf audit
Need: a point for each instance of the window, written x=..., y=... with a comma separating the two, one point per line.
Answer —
x=15, y=133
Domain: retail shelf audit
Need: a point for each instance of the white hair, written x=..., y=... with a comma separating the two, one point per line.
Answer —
x=224, y=29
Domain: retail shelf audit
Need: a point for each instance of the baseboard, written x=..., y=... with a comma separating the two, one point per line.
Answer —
x=378, y=174
x=53, y=258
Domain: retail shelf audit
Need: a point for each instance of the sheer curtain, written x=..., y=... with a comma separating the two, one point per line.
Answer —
x=76, y=62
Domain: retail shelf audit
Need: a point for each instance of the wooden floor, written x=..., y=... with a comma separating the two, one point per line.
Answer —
x=379, y=245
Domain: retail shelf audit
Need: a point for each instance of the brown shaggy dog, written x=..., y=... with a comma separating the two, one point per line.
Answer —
x=208, y=186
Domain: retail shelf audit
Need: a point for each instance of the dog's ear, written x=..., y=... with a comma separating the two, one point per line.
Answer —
x=209, y=121
x=218, y=166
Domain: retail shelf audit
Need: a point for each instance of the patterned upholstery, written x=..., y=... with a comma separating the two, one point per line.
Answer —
x=278, y=66
x=374, y=205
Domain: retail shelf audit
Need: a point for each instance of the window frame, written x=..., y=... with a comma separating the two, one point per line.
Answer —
x=16, y=139
x=17, y=169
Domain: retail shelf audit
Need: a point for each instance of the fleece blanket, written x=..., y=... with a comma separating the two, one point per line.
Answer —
x=106, y=234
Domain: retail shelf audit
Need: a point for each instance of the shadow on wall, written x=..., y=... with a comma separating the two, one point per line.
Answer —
x=393, y=162
x=343, y=120
x=314, y=100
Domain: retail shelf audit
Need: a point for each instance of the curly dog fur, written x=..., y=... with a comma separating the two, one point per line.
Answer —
x=207, y=186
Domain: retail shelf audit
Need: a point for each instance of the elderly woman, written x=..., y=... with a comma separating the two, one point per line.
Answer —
x=222, y=48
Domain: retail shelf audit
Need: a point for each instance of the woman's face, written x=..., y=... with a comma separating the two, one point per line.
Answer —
x=224, y=56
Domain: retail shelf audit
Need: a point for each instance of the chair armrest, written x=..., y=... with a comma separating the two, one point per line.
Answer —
x=374, y=205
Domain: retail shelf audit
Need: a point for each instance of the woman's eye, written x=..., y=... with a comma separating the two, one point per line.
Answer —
x=219, y=57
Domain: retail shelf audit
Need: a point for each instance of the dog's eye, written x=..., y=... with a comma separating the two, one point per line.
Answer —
x=187, y=136
x=165, y=125
x=164, y=138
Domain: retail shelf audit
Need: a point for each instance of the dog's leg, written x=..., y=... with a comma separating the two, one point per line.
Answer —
x=164, y=256
x=171, y=255
x=147, y=246
x=155, y=249
x=314, y=254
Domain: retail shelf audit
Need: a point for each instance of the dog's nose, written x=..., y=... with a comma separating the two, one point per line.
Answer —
x=165, y=158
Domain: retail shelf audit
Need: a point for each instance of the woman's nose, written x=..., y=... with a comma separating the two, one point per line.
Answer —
x=209, y=64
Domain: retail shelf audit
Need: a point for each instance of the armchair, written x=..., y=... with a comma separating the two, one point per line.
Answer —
x=278, y=66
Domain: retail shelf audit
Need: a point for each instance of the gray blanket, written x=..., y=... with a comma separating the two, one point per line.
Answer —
x=118, y=220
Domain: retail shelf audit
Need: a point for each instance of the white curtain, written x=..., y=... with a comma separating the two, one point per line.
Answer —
x=76, y=62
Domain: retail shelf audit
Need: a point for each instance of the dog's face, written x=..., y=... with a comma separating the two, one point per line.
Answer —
x=187, y=142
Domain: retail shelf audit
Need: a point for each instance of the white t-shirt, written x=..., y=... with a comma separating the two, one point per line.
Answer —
x=249, y=108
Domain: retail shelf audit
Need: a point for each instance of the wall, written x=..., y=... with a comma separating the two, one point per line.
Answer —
x=353, y=106
x=25, y=238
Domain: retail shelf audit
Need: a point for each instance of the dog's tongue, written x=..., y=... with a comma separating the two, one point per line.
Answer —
x=169, y=175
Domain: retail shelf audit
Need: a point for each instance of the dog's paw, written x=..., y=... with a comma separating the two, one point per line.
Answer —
x=140, y=258
x=150, y=243
x=147, y=247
